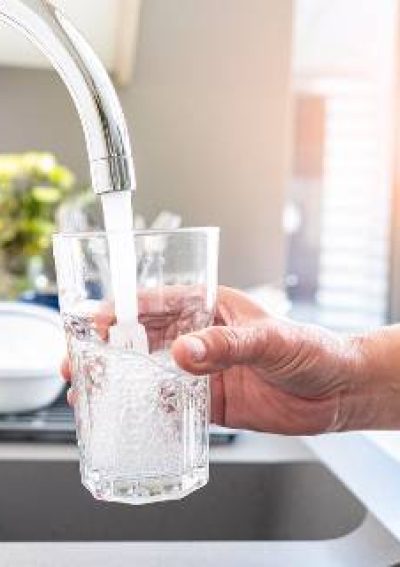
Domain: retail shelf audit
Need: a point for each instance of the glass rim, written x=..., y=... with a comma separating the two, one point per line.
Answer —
x=142, y=232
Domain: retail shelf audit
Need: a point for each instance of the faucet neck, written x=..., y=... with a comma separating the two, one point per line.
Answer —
x=89, y=85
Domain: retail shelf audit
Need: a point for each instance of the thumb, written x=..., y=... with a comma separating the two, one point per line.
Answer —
x=216, y=348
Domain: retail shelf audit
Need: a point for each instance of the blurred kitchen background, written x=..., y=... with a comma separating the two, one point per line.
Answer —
x=274, y=120
x=277, y=120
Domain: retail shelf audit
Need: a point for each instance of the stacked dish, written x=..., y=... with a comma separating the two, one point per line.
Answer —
x=31, y=348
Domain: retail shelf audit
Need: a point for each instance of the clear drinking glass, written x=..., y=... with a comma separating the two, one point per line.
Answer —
x=142, y=423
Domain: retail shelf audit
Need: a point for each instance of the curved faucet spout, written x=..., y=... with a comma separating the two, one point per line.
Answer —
x=106, y=134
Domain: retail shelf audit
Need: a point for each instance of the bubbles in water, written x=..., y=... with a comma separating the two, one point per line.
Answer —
x=79, y=326
x=137, y=415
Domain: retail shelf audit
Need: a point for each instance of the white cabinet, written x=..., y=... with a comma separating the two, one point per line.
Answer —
x=109, y=25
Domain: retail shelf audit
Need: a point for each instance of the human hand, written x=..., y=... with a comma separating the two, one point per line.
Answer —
x=270, y=374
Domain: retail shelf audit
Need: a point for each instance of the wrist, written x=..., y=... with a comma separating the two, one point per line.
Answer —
x=373, y=398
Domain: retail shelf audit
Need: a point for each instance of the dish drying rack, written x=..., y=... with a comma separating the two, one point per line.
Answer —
x=55, y=424
x=52, y=424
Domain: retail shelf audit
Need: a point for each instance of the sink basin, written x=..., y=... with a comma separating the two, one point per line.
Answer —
x=44, y=501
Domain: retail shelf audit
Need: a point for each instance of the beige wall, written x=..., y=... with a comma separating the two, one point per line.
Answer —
x=208, y=112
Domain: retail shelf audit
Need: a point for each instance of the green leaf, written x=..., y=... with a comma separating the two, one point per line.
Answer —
x=36, y=226
x=10, y=165
x=38, y=163
x=47, y=195
x=62, y=177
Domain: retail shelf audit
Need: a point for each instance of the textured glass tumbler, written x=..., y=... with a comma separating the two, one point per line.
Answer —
x=142, y=422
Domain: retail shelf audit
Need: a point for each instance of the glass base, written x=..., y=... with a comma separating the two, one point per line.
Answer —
x=144, y=490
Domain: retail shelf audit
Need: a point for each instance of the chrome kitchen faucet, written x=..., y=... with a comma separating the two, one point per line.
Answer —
x=95, y=99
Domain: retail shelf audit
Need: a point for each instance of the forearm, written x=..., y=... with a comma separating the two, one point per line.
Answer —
x=372, y=400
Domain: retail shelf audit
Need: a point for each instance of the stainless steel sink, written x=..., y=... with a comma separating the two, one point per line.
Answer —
x=44, y=501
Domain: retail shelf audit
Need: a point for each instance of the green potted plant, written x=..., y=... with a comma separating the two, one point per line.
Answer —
x=32, y=185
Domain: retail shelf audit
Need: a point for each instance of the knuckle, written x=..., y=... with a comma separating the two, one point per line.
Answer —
x=228, y=342
x=238, y=344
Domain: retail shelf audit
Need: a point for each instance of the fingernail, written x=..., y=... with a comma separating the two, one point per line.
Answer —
x=196, y=348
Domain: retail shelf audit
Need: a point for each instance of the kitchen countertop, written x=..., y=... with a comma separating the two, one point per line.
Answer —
x=369, y=545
